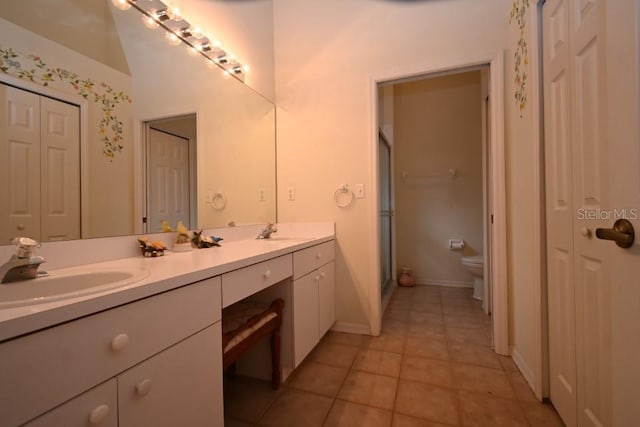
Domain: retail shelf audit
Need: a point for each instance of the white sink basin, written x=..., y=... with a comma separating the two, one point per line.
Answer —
x=70, y=284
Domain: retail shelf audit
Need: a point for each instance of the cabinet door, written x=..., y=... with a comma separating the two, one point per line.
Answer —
x=181, y=386
x=305, y=315
x=96, y=407
x=327, y=297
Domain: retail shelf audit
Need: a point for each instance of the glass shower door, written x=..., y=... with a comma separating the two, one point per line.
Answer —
x=386, y=212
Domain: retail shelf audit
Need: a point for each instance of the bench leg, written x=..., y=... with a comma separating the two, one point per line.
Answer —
x=275, y=359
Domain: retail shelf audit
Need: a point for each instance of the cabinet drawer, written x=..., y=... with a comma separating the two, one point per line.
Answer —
x=311, y=258
x=246, y=281
x=49, y=367
x=98, y=406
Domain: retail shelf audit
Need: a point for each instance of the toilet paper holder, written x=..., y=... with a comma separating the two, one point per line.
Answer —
x=456, y=244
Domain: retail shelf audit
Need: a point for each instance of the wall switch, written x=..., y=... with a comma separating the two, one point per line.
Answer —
x=261, y=195
x=359, y=191
x=291, y=194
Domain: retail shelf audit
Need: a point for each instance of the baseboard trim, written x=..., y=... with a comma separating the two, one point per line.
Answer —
x=351, y=328
x=445, y=283
x=524, y=368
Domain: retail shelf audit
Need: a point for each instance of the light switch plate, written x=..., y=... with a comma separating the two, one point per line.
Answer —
x=291, y=194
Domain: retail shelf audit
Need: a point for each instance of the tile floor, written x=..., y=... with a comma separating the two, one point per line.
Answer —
x=431, y=367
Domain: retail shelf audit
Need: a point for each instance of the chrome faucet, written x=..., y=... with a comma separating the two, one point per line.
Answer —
x=267, y=231
x=22, y=265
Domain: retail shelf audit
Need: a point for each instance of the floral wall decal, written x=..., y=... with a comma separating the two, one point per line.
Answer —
x=33, y=68
x=521, y=55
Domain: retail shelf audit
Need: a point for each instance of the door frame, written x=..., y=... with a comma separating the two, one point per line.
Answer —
x=495, y=61
x=83, y=105
x=140, y=124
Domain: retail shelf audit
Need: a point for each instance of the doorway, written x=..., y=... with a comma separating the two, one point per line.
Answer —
x=170, y=159
x=439, y=129
x=494, y=161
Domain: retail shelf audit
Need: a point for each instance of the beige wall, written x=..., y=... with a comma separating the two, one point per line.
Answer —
x=523, y=182
x=438, y=126
x=326, y=54
x=246, y=29
x=93, y=35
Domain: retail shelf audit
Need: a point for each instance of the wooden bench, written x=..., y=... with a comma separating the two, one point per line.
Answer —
x=244, y=324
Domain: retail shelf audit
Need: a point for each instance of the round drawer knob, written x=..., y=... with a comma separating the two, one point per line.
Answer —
x=119, y=342
x=20, y=227
x=322, y=274
x=318, y=255
x=585, y=232
x=267, y=274
x=99, y=414
x=316, y=278
x=143, y=387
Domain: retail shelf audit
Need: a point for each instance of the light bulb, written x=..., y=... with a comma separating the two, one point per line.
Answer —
x=196, y=31
x=172, y=38
x=192, y=51
x=121, y=4
x=217, y=43
x=174, y=12
x=149, y=22
x=246, y=68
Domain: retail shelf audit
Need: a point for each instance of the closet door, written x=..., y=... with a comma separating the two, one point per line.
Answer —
x=60, y=162
x=19, y=164
x=593, y=179
x=39, y=167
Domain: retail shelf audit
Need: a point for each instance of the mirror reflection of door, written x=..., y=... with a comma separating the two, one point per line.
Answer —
x=39, y=167
x=171, y=172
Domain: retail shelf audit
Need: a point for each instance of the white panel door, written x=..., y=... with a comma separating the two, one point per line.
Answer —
x=60, y=170
x=168, y=180
x=593, y=178
x=19, y=164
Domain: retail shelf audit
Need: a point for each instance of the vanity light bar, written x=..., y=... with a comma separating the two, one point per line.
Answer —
x=179, y=30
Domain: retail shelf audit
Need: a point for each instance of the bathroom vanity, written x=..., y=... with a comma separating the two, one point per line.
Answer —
x=149, y=352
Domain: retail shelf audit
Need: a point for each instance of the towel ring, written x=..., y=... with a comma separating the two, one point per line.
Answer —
x=218, y=201
x=343, y=196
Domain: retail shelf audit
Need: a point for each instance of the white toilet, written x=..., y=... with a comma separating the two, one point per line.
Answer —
x=475, y=265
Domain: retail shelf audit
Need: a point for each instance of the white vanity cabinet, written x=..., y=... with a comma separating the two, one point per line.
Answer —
x=160, y=353
x=177, y=387
x=313, y=297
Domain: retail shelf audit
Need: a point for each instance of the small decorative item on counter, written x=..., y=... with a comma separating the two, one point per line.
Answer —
x=183, y=242
x=166, y=227
x=151, y=249
x=202, y=242
x=405, y=278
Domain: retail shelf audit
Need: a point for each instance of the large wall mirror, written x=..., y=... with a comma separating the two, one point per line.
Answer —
x=108, y=129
